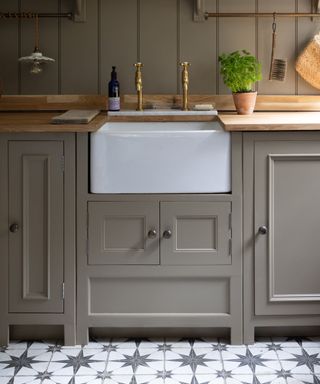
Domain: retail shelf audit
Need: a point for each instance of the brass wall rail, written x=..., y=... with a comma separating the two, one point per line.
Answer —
x=32, y=15
x=260, y=14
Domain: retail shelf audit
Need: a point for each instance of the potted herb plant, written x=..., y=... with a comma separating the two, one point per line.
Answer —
x=240, y=70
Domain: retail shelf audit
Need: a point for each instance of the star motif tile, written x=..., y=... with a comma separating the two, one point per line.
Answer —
x=138, y=361
x=192, y=361
x=250, y=360
x=302, y=361
x=78, y=362
x=300, y=379
x=194, y=379
x=162, y=361
x=24, y=362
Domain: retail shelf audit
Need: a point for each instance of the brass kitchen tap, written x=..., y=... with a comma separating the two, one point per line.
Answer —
x=185, y=84
x=138, y=81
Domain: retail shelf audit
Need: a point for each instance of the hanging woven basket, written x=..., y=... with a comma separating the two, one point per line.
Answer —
x=308, y=63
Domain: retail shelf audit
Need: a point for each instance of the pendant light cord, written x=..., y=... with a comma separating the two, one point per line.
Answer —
x=36, y=31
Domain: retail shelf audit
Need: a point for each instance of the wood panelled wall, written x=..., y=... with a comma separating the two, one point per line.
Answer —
x=160, y=33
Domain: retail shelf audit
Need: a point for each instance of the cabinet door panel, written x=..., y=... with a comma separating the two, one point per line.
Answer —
x=36, y=206
x=201, y=233
x=118, y=233
x=287, y=193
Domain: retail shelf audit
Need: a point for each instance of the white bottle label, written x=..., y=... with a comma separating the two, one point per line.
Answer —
x=114, y=103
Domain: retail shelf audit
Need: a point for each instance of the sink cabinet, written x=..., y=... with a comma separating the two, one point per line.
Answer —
x=37, y=231
x=281, y=232
x=158, y=261
x=166, y=233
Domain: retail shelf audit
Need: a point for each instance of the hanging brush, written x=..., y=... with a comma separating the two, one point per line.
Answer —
x=278, y=67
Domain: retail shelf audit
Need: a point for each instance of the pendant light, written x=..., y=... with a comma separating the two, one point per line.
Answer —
x=36, y=58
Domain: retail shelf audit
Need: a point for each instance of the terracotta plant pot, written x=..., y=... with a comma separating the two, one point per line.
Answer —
x=245, y=102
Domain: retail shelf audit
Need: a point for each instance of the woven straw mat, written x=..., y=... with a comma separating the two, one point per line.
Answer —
x=308, y=63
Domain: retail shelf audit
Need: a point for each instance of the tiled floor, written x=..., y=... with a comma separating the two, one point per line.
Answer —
x=169, y=361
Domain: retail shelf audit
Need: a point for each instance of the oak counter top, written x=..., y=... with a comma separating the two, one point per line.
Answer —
x=41, y=122
x=38, y=121
x=271, y=121
x=260, y=121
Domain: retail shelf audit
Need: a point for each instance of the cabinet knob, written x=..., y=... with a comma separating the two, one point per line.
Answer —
x=14, y=228
x=152, y=234
x=167, y=234
x=263, y=230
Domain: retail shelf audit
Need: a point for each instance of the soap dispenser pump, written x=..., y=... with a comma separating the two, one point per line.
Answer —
x=114, y=92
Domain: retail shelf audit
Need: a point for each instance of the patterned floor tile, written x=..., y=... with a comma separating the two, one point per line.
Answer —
x=133, y=379
x=24, y=362
x=290, y=342
x=194, y=379
x=5, y=379
x=188, y=362
x=26, y=380
x=250, y=360
x=59, y=380
x=311, y=342
x=139, y=361
x=78, y=362
x=304, y=361
x=268, y=379
x=240, y=379
x=129, y=343
x=300, y=379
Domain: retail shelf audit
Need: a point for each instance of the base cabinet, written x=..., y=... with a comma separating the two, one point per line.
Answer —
x=158, y=261
x=282, y=191
x=37, y=234
x=35, y=226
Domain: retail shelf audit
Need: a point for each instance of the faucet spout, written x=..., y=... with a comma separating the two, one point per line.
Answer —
x=185, y=85
x=138, y=82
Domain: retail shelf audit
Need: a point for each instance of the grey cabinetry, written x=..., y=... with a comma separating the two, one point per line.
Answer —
x=123, y=233
x=37, y=232
x=198, y=233
x=147, y=263
x=36, y=226
x=191, y=233
x=282, y=191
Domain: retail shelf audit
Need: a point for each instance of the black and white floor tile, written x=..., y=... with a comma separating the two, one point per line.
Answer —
x=162, y=361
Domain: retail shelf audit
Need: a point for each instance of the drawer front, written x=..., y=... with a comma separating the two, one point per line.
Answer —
x=200, y=233
x=118, y=233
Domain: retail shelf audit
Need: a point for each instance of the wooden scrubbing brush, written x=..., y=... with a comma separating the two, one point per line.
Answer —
x=278, y=67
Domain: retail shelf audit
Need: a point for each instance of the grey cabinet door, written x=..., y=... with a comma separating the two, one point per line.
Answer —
x=287, y=202
x=123, y=233
x=36, y=226
x=195, y=233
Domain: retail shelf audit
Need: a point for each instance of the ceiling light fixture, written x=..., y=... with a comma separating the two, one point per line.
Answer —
x=36, y=58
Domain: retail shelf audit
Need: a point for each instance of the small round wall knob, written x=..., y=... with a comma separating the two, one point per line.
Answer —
x=152, y=234
x=167, y=234
x=14, y=228
x=263, y=230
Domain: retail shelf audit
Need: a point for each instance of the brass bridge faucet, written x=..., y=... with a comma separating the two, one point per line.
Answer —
x=138, y=81
x=185, y=84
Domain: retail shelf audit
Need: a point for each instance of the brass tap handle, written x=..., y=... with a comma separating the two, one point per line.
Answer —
x=185, y=84
x=138, y=82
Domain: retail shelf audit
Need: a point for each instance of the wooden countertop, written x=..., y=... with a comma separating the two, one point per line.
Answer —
x=271, y=121
x=259, y=121
x=41, y=122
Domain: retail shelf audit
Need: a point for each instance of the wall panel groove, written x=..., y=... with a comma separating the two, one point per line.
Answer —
x=160, y=33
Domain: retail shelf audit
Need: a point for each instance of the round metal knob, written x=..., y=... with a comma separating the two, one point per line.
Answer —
x=167, y=234
x=152, y=234
x=14, y=228
x=263, y=230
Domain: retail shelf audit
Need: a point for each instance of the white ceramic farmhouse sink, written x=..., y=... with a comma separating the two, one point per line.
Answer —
x=160, y=157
